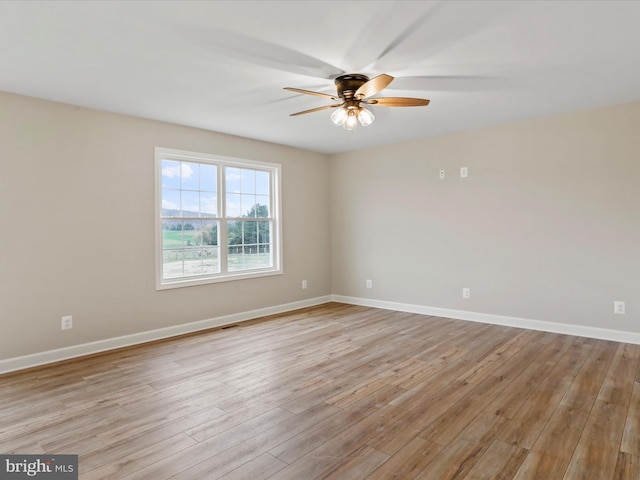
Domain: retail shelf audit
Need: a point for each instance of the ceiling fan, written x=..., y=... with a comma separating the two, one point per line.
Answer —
x=354, y=91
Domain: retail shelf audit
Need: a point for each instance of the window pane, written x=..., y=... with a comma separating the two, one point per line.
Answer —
x=190, y=204
x=192, y=261
x=248, y=181
x=265, y=249
x=210, y=263
x=210, y=233
x=263, y=209
x=234, y=259
x=208, y=204
x=170, y=174
x=234, y=207
x=238, y=260
x=264, y=232
x=192, y=233
x=250, y=233
x=208, y=178
x=171, y=263
x=263, y=257
x=262, y=183
x=248, y=245
x=234, y=233
x=248, y=203
x=170, y=203
x=255, y=210
x=248, y=258
x=172, y=234
x=190, y=175
x=233, y=180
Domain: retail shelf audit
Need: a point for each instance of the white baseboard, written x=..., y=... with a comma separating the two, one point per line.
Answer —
x=51, y=356
x=37, y=359
x=563, y=328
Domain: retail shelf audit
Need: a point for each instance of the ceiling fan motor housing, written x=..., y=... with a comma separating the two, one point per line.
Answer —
x=348, y=84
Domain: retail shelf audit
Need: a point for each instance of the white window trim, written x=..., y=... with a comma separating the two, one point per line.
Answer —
x=221, y=161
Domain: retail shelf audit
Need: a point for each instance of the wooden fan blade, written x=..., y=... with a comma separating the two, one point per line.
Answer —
x=309, y=92
x=373, y=86
x=397, y=102
x=316, y=109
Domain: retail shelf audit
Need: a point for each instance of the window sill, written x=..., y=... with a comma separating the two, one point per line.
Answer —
x=181, y=283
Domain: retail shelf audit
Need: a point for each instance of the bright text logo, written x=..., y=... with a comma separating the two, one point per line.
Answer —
x=55, y=467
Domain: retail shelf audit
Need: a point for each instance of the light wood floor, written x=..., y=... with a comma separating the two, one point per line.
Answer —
x=339, y=392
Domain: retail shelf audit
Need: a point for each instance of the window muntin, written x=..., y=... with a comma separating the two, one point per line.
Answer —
x=217, y=218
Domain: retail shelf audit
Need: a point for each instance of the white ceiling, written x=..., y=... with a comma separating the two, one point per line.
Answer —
x=223, y=65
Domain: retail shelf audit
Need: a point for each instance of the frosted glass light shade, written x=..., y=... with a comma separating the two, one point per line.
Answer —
x=352, y=120
x=365, y=116
x=339, y=116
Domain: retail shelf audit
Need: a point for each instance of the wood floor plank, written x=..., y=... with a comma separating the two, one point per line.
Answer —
x=222, y=448
x=138, y=459
x=376, y=400
x=462, y=414
x=596, y=454
x=301, y=444
x=538, y=364
x=21, y=445
x=113, y=452
x=260, y=468
x=618, y=383
x=237, y=450
x=358, y=465
x=483, y=429
x=408, y=461
x=429, y=368
x=332, y=453
x=231, y=427
x=469, y=447
x=413, y=422
x=454, y=463
x=631, y=437
x=587, y=384
x=530, y=420
x=627, y=467
x=511, y=399
x=358, y=392
x=338, y=391
x=434, y=386
x=501, y=461
x=60, y=419
x=554, y=448
x=497, y=357
x=310, y=399
x=138, y=424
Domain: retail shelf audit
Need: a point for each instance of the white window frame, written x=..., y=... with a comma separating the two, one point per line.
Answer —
x=221, y=162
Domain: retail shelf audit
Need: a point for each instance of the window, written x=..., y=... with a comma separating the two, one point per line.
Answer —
x=217, y=218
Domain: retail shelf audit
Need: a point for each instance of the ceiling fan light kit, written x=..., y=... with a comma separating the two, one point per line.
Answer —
x=348, y=117
x=354, y=90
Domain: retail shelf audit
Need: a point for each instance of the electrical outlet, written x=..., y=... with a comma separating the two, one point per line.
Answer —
x=304, y=284
x=464, y=172
x=618, y=307
x=369, y=283
x=441, y=174
x=466, y=293
x=67, y=322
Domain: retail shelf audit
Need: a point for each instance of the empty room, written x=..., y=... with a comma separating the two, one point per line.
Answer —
x=287, y=240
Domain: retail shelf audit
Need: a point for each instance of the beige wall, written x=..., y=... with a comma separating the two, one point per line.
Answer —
x=77, y=219
x=546, y=226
